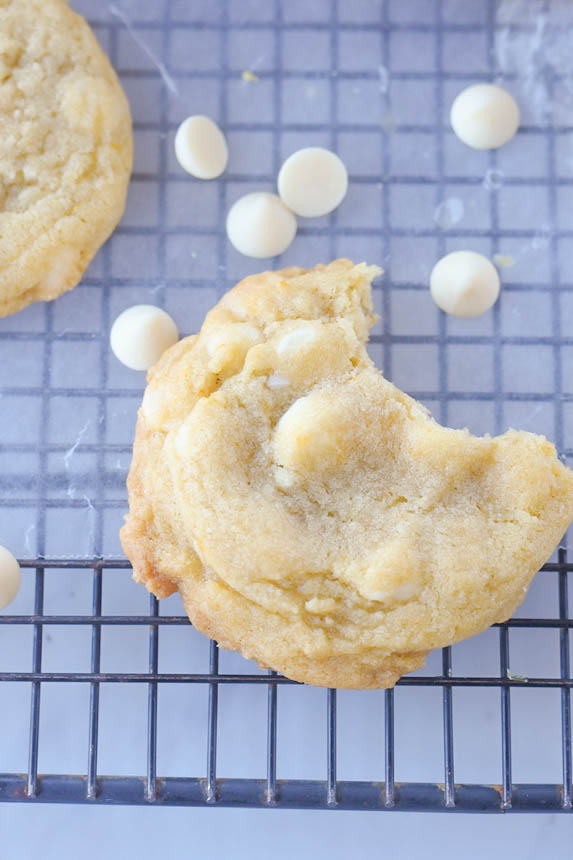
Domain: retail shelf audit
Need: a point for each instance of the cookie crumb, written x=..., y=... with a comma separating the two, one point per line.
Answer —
x=512, y=677
x=504, y=261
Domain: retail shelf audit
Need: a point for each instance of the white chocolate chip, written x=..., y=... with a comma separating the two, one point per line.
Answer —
x=227, y=347
x=183, y=442
x=320, y=605
x=295, y=339
x=283, y=477
x=275, y=380
x=464, y=284
x=141, y=334
x=259, y=225
x=153, y=404
x=231, y=335
x=405, y=591
x=484, y=116
x=201, y=148
x=313, y=182
x=10, y=577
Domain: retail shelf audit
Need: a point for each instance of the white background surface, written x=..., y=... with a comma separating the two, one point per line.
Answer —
x=56, y=832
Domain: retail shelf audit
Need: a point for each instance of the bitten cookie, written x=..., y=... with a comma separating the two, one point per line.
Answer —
x=65, y=150
x=312, y=515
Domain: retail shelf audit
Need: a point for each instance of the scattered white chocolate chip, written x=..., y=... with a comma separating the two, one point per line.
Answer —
x=141, y=334
x=464, y=284
x=10, y=577
x=275, y=380
x=259, y=225
x=312, y=182
x=295, y=339
x=484, y=116
x=201, y=148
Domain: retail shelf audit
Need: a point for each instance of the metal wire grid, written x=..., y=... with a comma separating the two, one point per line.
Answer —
x=106, y=386
x=268, y=790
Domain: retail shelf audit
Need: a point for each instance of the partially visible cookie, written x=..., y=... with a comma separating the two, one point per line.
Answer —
x=65, y=150
x=311, y=514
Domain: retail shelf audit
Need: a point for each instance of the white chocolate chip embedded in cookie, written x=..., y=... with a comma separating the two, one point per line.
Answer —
x=276, y=381
x=320, y=605
x=313, y=434
x=295, y=339
x=390, y=575
x=228, y=346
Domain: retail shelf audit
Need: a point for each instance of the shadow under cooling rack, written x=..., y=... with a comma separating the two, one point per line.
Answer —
x=330, y=792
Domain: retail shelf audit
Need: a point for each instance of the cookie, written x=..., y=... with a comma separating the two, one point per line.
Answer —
x=65, y=150
x=312, y=515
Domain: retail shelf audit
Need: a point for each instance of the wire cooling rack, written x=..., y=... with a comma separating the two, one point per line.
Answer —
x=269, y=791
x=372, y=79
